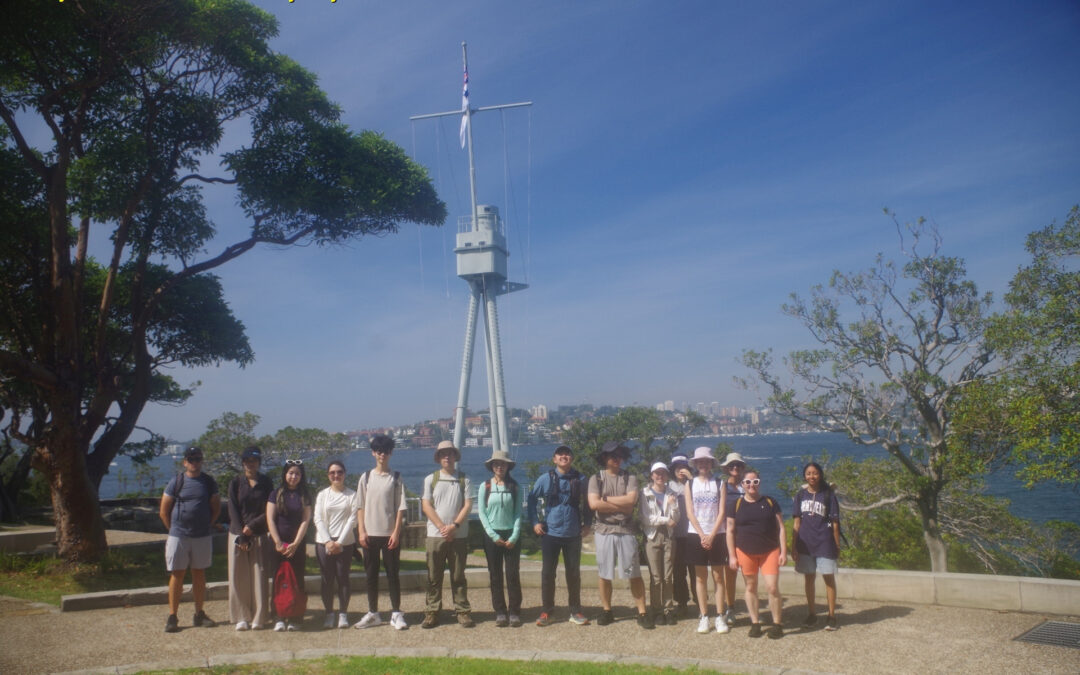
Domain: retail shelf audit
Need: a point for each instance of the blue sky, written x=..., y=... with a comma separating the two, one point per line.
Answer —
x=685, y=166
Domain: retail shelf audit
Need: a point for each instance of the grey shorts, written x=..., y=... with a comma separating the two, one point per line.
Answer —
x=808, y=564
x=622, y=547
x=184, y=552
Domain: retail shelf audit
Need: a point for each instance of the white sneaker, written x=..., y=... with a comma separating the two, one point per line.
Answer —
x=343, y=620
x=290, y=626
x=279, y=627
x=397, y=620
x=328, y=622
x=703, y=625
x=370, y=620
x=721, y=624
x=242, y=625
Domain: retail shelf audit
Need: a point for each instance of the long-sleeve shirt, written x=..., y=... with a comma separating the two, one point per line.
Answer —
x=502, y=511
x=566, y=507
x=656, y=512
x=335, y=516
x=247, y=503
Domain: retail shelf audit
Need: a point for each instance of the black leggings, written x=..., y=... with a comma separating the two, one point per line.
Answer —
x=335, y=569
x=391, y=558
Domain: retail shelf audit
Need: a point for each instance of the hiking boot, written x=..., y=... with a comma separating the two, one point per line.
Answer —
x=464, y=619
x=776, y=631
x=605, y=618
x=646, y=621
x=830, y=623
x=431, y=619
x=515, y=621
x=755, y=630
x=703, y=624
x=201, y=620
x=370, y=620
x=172, y=624
x=545, y=619
x=501, y=621
x=397, y=620
x=579, y=619
x=810, y=621
x=721, y=625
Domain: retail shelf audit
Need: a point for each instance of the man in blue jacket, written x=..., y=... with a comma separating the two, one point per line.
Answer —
x=566, y=520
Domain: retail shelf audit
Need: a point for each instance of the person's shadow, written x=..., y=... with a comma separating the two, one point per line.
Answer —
x=862, y=617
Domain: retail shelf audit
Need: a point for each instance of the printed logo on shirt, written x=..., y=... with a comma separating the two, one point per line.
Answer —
x=812, y=507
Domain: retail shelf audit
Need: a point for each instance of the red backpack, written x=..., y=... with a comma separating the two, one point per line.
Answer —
x=290, y=600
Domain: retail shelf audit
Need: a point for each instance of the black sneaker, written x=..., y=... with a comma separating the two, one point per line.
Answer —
x=776, y=631
x=830, y=623
x=646, y=621
x=605, y=618
x=669, y=618
x=201, y=620
x=172, y=624
x=810, y=621
x=755, y=630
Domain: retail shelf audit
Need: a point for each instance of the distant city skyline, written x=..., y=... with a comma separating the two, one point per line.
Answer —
x=684, y=167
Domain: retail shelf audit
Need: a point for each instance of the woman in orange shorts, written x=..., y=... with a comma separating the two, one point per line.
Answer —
x=756, y=541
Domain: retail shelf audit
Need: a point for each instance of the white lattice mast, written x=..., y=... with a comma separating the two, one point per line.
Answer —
x=481, y=261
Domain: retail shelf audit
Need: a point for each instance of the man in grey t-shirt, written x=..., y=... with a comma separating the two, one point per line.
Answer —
x=613, y=493
x=447, y=503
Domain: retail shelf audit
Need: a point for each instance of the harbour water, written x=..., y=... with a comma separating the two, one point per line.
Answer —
x=772, y=454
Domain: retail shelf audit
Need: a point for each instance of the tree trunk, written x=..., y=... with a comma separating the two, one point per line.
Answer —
x=80, y=529
x=935, y=543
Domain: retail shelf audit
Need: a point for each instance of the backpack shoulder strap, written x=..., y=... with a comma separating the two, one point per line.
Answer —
x=738, y=503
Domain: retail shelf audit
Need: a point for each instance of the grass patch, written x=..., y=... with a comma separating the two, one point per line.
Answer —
x=435, y=666
x=45, y=578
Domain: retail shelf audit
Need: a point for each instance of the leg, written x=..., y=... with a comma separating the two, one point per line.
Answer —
x=342, y=563
x=371, y=573
x=637, y=590
x=772, y=585
x=436, y=563
x=718, y=583
x=392, y=564
x=830, y=592
x=513, y=579
x=605, y=593
x=701, y=581
x=240, y=585
x=198, y=587
x=808, y=584
x=261, y=547
x=750, y=580
x=494, y=555
x=326, y=574
x=176, y=589
x=654, y=552
x=730, y=576
x=549, y=550
x=667, y=557
x=459, y=550
x=572, y=560
x=680, y=589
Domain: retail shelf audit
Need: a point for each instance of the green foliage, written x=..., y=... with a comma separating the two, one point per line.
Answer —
x=651, y=435
x=1030, y=411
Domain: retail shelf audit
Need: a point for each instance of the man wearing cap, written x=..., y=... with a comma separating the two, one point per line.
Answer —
x=566, y=519
x=189, y=508
x=659, y=512
x=613, y=493
x=447, y=505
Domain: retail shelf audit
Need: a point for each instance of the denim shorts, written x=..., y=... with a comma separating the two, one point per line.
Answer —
x=808, y=564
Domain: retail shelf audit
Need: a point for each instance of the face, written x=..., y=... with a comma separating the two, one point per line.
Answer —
x=563, y=460
x=336, y=474
x=251, y=466
x=194, y=464
x=446, y=460
x=613, y=462
x=660, y=478
x=751, y=482
x=677, y=468
x=381, y=455
x=735, y=469
x=498, y=468
x=703, y=466
x=812, y=476
x=293, y=476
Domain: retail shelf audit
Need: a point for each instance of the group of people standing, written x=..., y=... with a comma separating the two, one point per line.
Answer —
x=698, y=517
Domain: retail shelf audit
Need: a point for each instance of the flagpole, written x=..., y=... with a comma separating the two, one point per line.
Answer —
x=467, y=112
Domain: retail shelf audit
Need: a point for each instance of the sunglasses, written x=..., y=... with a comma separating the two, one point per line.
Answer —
x=294, y=462
x=752, y=481
x=194, y=460
x=337, y=472
x=381, y=451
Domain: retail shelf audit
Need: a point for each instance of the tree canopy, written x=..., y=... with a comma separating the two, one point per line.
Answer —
x=114, y=124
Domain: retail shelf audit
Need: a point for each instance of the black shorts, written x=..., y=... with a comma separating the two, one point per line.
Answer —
x=716, y=556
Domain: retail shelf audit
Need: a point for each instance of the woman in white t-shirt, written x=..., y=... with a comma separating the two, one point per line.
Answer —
x=335, y=542
x=703, y=500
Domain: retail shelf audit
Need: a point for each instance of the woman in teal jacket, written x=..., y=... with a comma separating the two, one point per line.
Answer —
x=499, y=500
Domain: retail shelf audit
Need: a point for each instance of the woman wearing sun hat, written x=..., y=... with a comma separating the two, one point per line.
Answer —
x=704, y=503
x=499, y=506
x=733, y=467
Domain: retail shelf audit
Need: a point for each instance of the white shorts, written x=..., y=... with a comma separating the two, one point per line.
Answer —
x=184, y=552
x=610, y=547
x=808, y=564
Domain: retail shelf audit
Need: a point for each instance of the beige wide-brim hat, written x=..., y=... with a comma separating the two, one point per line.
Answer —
x=499, y=456
x=731, y=458
x=447, y=445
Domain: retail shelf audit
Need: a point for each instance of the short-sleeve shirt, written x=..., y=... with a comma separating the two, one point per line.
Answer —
x=290, y=518
x=191, y=510
x=756, y=529
x=447, y=498
x=816, y=511
x=377, y=501
x=613, y=486
x=706, y=497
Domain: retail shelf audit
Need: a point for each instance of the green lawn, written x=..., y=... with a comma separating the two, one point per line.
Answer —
x=435, y=666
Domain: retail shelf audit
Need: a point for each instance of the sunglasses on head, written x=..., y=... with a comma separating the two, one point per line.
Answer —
x=294, y=462
x=752, y=481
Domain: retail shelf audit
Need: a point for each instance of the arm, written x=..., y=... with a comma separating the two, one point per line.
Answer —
x=834, y=508
x=165, y=510
x=534, y=496
x=301, y=532
x=720, y=513
x=361, y=528
x=733, y=560
x=795, y=523
x=215, y=509
x=676, y=510
x=461, y=516
x=516, y=534
x=783, y=539
x=322, y=532
x=485, y=521
x=350, y=522
x=259, y=521
x=271, y=523
x=395, y=536
x=688, y=503
x=236, y=520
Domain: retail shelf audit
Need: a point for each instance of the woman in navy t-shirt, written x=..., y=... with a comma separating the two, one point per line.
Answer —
x=817, y=539
x=288, y=512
